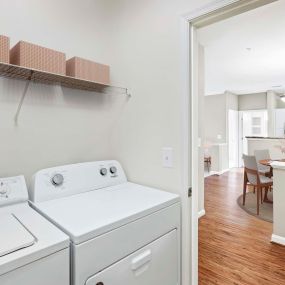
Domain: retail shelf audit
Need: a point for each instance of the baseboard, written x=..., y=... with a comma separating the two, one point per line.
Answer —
x=219, y=172
x=201, y=213
x=278, y=239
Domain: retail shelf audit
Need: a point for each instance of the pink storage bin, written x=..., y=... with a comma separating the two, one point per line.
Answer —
x=88, y=70
x=36, y=57
x=4, y=49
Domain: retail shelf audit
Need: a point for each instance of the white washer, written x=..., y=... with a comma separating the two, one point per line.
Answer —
x=32, y=250
x=121, y=233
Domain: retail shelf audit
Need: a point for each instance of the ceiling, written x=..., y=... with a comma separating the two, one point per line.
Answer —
x=246, y=53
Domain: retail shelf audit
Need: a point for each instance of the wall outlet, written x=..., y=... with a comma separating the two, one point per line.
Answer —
x=167, y=157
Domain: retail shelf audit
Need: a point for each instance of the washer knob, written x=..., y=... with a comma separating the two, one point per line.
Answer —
x=57, y=179
x=103, y=171
x=3, y=189
x=113, y=169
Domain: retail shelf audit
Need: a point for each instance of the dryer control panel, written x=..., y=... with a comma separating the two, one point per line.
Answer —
x=63, y=181
x=13, y=190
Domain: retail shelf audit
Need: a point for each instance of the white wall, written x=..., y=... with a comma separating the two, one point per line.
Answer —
x=278, y=235
x=56, y=126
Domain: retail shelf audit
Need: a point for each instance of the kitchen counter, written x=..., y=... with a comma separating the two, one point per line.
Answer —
x=273, y=144
x=278, y=235
x=268, y=138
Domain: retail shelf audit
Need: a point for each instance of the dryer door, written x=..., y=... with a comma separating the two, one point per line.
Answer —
x=156, y=263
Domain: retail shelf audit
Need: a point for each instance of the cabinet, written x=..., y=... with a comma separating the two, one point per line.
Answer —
x=279, y=122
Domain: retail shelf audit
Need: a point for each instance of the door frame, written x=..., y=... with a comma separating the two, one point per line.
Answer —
x=216, y=11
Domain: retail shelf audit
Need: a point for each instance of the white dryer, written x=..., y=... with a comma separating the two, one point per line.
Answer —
x=121, y=233
x=32, y=250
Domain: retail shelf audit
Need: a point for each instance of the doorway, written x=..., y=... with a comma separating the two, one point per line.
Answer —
x=216, y=12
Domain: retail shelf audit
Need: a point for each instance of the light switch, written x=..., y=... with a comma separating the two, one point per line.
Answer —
x=167, y=157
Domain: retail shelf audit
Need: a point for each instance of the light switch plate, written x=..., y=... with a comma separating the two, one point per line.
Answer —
x=167, y=157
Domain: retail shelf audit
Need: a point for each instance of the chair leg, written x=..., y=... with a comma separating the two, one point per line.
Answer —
x=266, y=193
x=244, y=190
x=261, y=194
x=254, y=189
x=257, y=199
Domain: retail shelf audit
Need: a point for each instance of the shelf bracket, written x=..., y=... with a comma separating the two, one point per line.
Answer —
x=16, y=117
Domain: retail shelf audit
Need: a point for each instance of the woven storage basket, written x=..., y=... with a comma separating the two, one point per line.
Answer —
x=37, y=57
x=4, y=49
x=88, y=70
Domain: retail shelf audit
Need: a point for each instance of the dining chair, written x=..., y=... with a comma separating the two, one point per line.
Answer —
x=261, y=155
x=253, y=177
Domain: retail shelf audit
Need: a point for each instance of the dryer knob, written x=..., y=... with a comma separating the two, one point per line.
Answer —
x=103, y=171
x=113, y=169
x=57, y=179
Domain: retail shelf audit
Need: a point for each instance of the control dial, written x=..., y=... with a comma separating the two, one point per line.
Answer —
x=4, y=189
x=103, y=171
x=57, y=179
x=113, y=169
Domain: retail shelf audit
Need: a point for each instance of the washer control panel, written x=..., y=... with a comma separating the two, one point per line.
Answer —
x=13, y=190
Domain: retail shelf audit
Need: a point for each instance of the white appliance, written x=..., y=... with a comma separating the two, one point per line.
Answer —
x=32, y=250
x=121, y=233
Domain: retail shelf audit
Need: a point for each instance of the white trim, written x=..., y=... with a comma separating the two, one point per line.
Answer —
x=209, y=8
x=278, y=239
x=186, y=274
x=219, y=172
x=201, y=213
x=193, y=76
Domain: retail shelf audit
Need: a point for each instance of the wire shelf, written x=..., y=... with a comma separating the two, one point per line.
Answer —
x=19, y=72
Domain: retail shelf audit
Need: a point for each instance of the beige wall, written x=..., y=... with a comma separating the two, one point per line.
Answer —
x=232, y=101
x=256, y=101
x=148, y=60
x=56, y=126
x=216, y=118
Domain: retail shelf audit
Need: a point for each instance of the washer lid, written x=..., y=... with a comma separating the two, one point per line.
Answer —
x=87, y=215
x=14, y=236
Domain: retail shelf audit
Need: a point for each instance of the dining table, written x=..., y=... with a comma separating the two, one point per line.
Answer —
x=268, y=162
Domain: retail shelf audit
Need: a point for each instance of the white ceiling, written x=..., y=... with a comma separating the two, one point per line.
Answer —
x=228, y=62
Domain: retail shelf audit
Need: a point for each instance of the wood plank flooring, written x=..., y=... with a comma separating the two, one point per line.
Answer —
x=234, y=247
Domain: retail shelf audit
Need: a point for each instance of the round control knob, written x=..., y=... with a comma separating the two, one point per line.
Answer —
x=103, y=171
x=57, y=179
x=113, y=169
x=3, y=189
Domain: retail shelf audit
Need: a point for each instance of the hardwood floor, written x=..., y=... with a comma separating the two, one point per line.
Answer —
x=234, y=247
